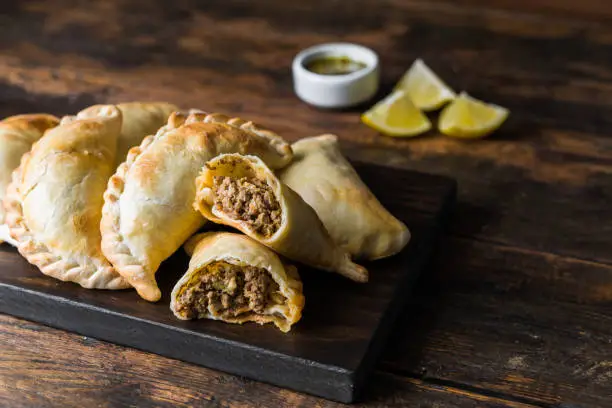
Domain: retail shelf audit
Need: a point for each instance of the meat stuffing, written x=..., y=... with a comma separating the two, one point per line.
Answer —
x=250, y=200
x=229, y=290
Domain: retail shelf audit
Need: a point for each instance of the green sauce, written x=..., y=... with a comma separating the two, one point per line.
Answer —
x=334, y=65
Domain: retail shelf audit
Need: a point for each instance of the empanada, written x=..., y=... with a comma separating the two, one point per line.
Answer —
x=140, y=119
x=242, y=192
x=54, y=202
x=355, y=219
x=236, y=279
x=17, y=134
x=148, y=211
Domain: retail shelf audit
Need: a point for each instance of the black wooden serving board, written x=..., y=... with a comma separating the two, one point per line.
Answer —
x=329, y=353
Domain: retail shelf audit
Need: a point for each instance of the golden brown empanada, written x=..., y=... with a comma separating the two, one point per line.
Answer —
x=140, y=119
x=17, y=134
x=148, y=211
x=353, y=216
x=233, y=278
x=242, y=192
x=54, y=202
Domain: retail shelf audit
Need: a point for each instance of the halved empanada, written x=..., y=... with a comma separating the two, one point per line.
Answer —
x=140, y=119
x=148, y=211
x=54, y=202
x=355, y=219
x=236, y=279
x=17, y=134
x=242, y=192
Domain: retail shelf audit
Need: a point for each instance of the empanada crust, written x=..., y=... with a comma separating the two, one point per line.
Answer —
x=148, y=211
x=351, y=213
x=140, y=119
x=54, y=202
x=17, y=134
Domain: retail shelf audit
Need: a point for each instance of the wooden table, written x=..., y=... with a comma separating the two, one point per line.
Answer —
x=516, y=311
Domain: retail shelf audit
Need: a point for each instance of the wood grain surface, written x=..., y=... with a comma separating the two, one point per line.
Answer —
x=516, y=311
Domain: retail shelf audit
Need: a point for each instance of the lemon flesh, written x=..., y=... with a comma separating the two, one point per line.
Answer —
x=469, y=118
x=396, y=115
x=425, y=88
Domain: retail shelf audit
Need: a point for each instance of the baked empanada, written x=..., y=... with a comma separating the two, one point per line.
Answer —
x=17, y=134
x=353, y=216
x=54, y=202
x=148, y=212
x=242, y=192
x=140, y=119
x=236, y=279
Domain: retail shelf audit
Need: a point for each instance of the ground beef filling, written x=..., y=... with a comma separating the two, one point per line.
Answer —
x=229, y=290
x=249, y=200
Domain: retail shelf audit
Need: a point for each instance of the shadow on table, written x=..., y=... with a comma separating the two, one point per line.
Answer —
x=430, y=299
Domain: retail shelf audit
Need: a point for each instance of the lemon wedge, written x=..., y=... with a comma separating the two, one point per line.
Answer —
x=470, y=118
x=426, y=89
x=396, y=115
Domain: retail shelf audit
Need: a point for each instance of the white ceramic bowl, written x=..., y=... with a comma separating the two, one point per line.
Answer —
x=336, y=91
